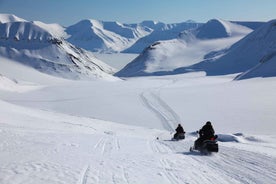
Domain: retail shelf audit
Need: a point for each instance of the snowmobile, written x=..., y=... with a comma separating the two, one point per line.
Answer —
x=178, y=136
x=207, y=146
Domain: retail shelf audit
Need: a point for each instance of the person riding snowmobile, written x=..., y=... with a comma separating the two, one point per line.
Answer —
x=179, y=132
x=205, y=133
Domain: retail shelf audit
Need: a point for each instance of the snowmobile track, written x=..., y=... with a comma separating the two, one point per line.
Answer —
x=163, y=111
x=169, y=172
x=160, y=147
x=84, y=176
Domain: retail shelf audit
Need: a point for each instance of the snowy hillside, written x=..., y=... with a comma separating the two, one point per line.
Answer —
x=11, y=85
x=191, y=47
x=266, y=68
x=160, y=32
x=103, y=36
x=255, y=52
x=31, y=44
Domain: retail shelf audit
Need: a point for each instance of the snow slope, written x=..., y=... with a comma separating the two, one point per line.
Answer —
x=164, y=57
x=10, y=85
x=266, y=68
x=31, y=44
x=54, y=134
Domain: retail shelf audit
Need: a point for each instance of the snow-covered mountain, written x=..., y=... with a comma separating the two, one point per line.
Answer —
x=255, y=52
x=110, y=37
x=217, y=28
x=41, y=46
x=100, y=36
x=164, y=57
x=161, y=31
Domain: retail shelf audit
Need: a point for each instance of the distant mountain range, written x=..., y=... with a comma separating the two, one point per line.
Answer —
x=100, y=36
x=252, y=56
x=217, y=47
x=42, y=47
x=110, y=37
x=56, y=50
x=191, y=47
x=252, y=53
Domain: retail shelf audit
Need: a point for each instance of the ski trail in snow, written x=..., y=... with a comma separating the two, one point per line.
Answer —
x=168, y=117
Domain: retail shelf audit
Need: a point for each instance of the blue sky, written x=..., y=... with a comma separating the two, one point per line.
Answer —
x=68, y=12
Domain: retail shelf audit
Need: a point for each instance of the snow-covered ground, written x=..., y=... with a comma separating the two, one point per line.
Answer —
x=61, y=131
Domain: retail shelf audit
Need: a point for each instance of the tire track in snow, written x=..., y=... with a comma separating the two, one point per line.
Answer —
x=169, y=172
x=116, y=142
x=168, y=117
x=106, y=144
x=194, y=171
x=253, y=167
x=84, y=176
x=236, y=166
x=100, y=145
x=121, y=177
x=126, y=176
x=107, y=170
x=160, y=147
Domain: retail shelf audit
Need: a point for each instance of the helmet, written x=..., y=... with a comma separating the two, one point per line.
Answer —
x=208, y=123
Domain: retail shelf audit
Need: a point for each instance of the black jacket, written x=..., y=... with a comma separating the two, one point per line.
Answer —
x=207, y=131
x=179, y=129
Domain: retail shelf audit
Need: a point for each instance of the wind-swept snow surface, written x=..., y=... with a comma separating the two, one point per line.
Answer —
x=51, y=134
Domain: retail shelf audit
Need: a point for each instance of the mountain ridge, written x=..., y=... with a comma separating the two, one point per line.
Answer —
x=166, y=57
x=34, y=46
